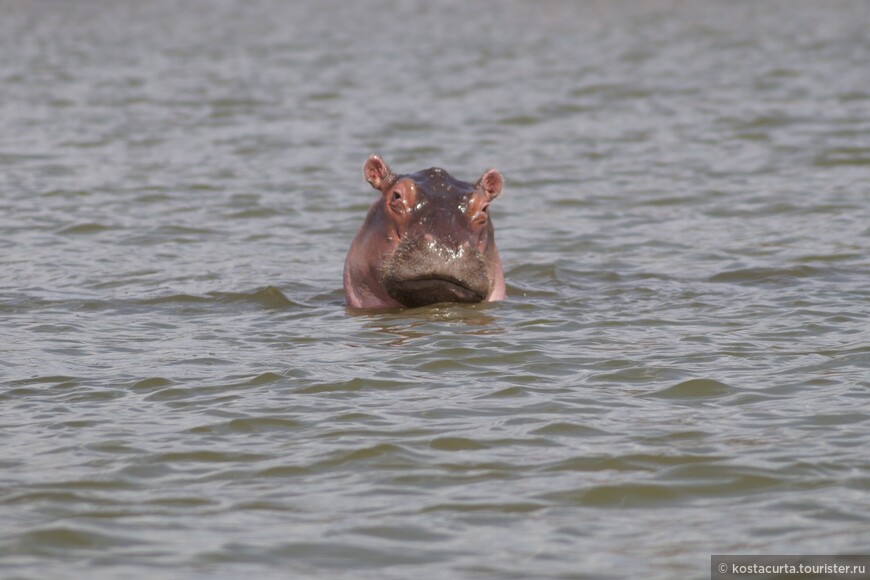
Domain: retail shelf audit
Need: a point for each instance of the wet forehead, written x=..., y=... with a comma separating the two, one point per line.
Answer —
x=437, y=182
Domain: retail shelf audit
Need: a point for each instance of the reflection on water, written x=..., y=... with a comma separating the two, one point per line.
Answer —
x=408, y=325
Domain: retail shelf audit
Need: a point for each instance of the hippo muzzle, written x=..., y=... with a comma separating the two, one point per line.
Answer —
x=425, y=271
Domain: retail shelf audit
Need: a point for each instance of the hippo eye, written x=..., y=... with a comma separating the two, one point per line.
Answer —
x=397, y=196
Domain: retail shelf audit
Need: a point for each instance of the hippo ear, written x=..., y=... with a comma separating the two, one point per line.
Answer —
x=376, y=172
x=491, y=183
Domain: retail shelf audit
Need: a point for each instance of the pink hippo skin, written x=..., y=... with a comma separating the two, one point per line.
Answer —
x=426, y=239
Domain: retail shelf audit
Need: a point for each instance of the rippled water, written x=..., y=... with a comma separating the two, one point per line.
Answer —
x=682, y=366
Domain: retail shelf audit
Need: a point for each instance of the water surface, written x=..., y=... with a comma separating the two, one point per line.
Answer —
x=681, y=368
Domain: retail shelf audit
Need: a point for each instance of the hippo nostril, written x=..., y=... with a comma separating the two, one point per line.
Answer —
x=481, y=214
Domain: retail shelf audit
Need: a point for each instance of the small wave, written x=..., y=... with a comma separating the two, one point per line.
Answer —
x=843, y=156
x=151, y=383
x=63, y=538
x=404, y=533
x=378, y=453
x=729, y=480
x=632, y=462
x=520, y=120
x=84, y=229
x=770, y=275
x=323, y=555
x=267, y=297
x=618, y=495
x=352, y=385
x=250, y=425
x=695, y=389
x=205, y=456
x=519, y=507
x=173, y=299
x=564, y=429
x=253, y=213
x=456, y=444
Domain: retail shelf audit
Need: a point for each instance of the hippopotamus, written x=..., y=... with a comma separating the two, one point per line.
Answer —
x=428, y=238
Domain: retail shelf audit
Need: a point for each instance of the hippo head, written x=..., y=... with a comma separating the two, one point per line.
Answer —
x=428, y=238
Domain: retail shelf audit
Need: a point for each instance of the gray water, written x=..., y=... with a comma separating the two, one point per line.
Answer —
x=681, y=368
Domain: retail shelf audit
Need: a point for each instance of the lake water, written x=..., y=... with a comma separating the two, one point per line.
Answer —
x=681, y=368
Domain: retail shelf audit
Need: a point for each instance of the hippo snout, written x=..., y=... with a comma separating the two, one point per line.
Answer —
x=424, y=270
